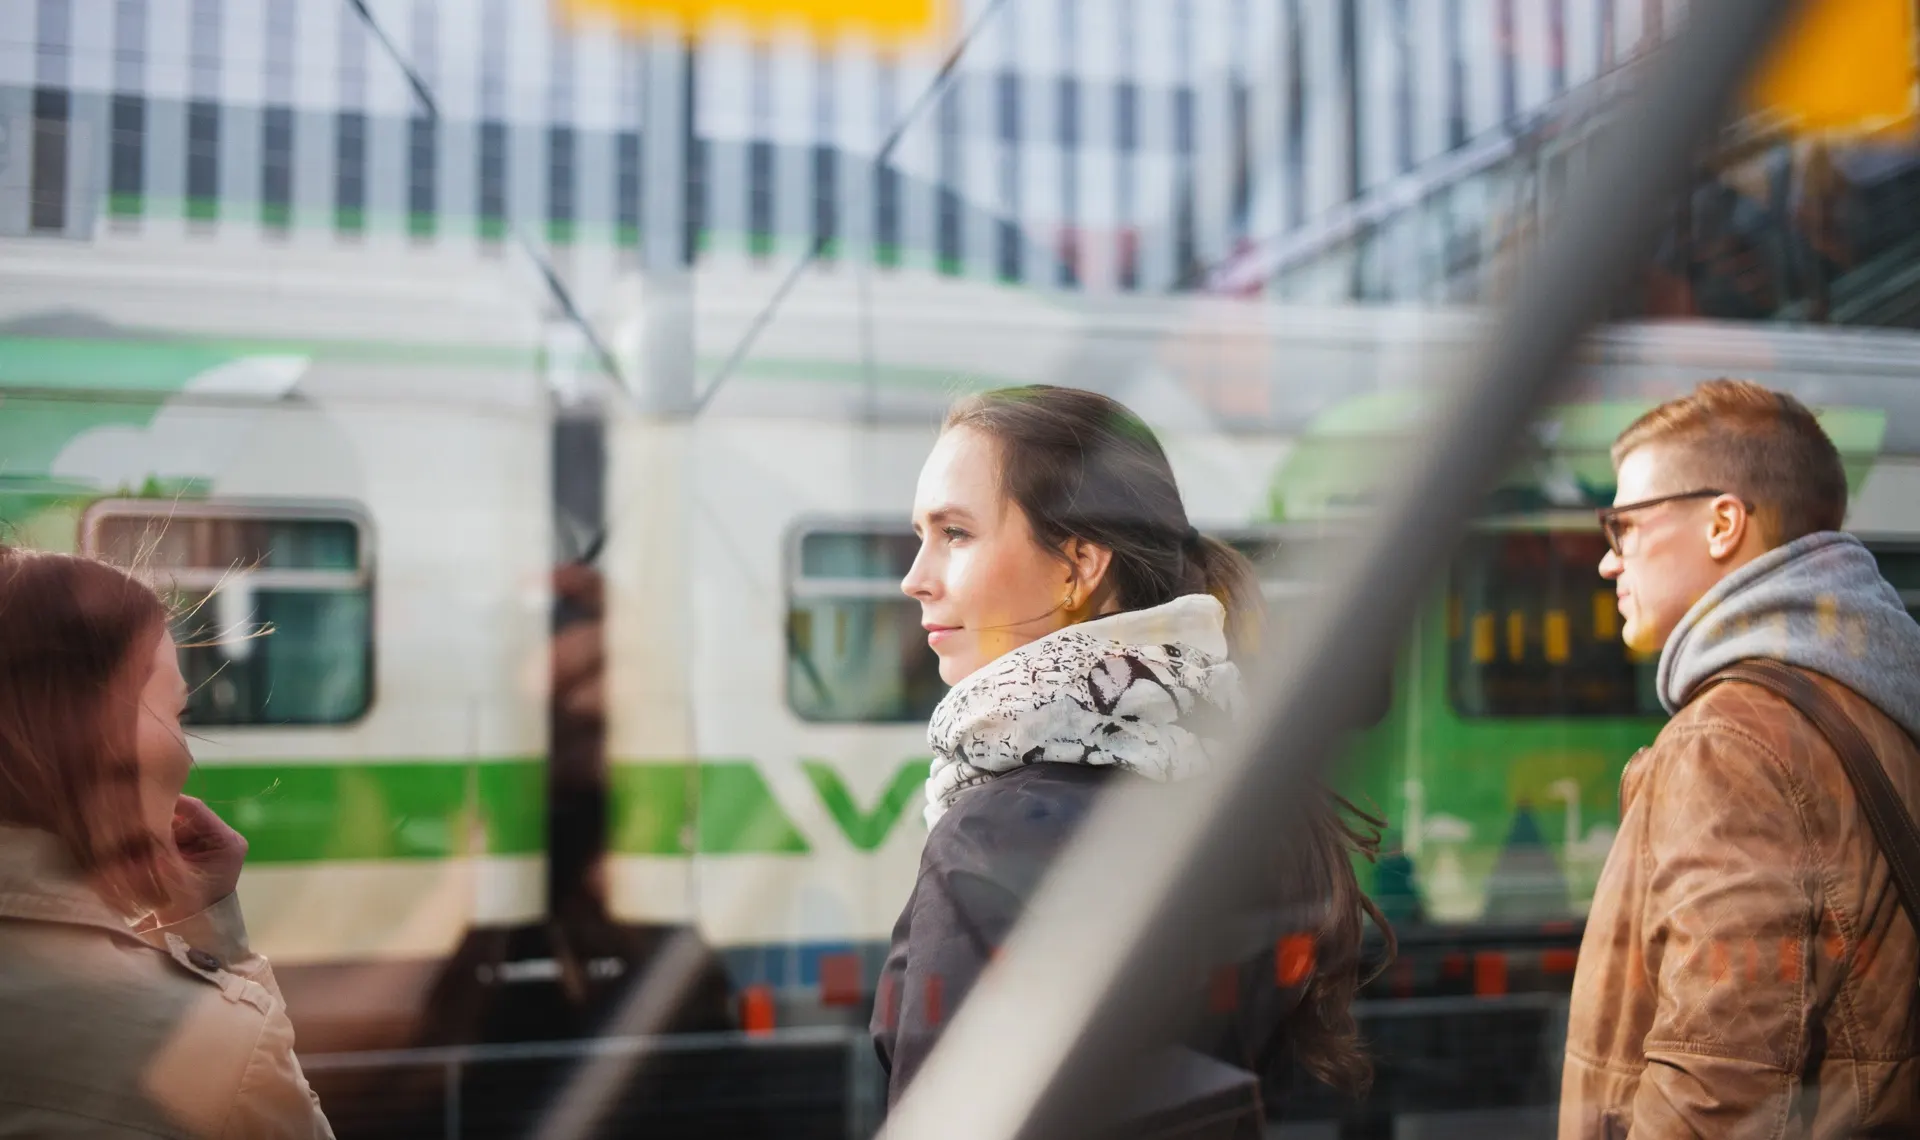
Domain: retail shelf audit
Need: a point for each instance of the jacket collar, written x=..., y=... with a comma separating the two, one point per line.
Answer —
x=40, y=882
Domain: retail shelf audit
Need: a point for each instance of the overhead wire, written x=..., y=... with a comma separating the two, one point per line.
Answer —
x=550, y=278
x=881, y=157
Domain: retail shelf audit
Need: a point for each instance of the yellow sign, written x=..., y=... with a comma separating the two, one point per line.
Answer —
x=1843, y=66
x=882, y=21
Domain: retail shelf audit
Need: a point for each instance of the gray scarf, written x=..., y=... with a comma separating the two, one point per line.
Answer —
x=1818, y=602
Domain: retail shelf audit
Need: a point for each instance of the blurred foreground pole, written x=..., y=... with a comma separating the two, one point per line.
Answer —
x=1040, y=1048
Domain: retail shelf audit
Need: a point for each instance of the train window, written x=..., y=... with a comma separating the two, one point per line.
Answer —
x=274, y=605
x=1286, y=565
x=855, y=649
x=1900, y=565
x=1533, y=630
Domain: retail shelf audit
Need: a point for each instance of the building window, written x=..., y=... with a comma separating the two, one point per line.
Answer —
x=1008, y=257
x=825, y=162
x=1241, y=106
x=760, y=197
x=1296, y=157
x=1007, y=107
x=947, y=225
x=423, y=176
x=1457, y=74
x=1289, y=564
x=695, y=236
x=203, y=160
x=1534, y=631
x=276, y=604
x=127, y=156
x=1350, y=92
x=1900, y=566
x=493, y=181
x=560, y=183
x=886, y=200
x=1508, y=34
x=886, y=176
x=276, y=168
x=1068, y=96
x=1126, y=130
x=350, y=172
x=826, y=199
x=627, y=186
x=1557, y=32
x=127, y=113
x=1007, y=243
x=855, y=649
x=48, y=207
x=1069, y=111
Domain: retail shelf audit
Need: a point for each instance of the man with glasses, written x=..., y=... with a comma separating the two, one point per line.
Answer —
x=1748, y=967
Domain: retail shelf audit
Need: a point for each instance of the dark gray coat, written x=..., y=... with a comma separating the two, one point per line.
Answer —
x=981, y=863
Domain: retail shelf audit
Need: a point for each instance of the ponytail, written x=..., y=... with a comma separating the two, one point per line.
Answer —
x=1218, y=569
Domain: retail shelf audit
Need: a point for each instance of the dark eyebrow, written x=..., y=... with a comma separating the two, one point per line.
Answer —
x=947, y=514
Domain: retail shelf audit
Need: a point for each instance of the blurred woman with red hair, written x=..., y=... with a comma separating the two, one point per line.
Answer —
x=134, y=1006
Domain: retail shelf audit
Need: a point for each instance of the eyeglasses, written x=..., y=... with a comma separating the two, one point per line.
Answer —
x=1610, y=516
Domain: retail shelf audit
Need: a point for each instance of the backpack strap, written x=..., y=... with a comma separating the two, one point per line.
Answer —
x=1891, y=822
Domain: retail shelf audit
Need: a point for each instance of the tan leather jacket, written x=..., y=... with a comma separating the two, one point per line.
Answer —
x=1747, y=970
x=178, y=1031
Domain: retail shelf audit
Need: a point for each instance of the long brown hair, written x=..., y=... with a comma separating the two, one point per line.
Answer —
x=76, y=636
x=1081, y=465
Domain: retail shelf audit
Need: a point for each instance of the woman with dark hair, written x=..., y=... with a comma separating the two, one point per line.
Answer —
x=1089, y=633
x=133, y=1004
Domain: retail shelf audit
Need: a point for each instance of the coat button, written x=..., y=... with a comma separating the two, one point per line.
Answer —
x=202, y=960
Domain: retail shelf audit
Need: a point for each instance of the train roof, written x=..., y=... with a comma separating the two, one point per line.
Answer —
x=896, y=347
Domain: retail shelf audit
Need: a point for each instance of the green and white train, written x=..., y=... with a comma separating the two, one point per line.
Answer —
x=361, y=457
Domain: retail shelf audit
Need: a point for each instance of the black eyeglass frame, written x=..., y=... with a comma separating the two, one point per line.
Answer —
x=1607, y=515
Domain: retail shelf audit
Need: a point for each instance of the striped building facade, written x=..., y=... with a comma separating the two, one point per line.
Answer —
x=1083, y=144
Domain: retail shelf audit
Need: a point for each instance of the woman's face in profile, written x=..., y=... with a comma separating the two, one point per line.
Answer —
x=160, y=744
x=984, y=585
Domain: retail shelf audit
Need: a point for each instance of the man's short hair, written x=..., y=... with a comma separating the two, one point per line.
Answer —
x=1762, y=445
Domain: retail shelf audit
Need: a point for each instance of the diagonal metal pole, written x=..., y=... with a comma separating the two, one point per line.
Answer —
x=1041, y=1046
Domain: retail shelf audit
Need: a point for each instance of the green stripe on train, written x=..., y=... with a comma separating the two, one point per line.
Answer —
x=305, y=813
x=397, y=809
x=726, y=808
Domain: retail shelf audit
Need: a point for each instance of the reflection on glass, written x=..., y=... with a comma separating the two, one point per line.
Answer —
x=1900, y=566
x=273, y=613
x=1533, y=631
x=857, y=555
x=185, y=542
x=298, y=657
x=855, y=649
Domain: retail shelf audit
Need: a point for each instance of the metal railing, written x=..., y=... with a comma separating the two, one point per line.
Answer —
x=433, y=1091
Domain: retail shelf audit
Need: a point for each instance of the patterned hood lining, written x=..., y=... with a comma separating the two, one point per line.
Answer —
x=1150, y=692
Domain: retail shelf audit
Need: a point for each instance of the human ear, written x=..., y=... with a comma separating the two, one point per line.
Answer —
x=1727, y=530
x=1089, y=562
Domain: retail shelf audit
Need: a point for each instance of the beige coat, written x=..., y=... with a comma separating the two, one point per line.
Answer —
x=178, y=1031
x=1748, y=970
